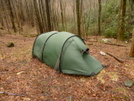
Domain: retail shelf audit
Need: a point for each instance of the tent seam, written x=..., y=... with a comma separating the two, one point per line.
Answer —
x=45, y=44
x=62, y=51
x=34, y=44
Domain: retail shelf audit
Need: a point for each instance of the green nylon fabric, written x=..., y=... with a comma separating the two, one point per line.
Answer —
x=73, y=59
x=53, y=48
x=81, y=63
x=39, y=43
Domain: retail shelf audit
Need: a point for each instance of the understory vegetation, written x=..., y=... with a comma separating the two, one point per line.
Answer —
x=109, y=20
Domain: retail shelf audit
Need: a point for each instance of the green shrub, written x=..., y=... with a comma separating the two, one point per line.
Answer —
x=109, y=20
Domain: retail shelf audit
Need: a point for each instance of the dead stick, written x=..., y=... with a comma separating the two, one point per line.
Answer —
x=3, y=42
x=89, y=44
x=10, y=94
x=115, y=58
x=111, y=55
x=115, y=44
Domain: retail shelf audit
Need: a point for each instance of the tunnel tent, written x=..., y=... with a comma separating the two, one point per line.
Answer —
x=66, y=53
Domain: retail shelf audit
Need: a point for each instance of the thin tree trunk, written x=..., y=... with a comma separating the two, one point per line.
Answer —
x=42, y=10
x=4, y=18
x=12, y=16
x=78, y=17
x=62, y=18
x=48, y=14
x=121, y=22
x=74, y=17
x=81, y=18
x=99, y=18
x=51, y=4
x=18, y=15
x=54, y=14
x=41, y=15
x=38, y=17
x=132, y=46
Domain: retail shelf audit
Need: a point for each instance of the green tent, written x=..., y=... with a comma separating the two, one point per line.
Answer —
x=66, y=53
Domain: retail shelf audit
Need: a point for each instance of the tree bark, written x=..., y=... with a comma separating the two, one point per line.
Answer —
x=78, y=17
x=82, y=20
x=38, y=19
x=131, y=54
x=4, y=18
x=48, y=14
x=11, y=15
x=62, y=15
x=121, y=22
x=99, y=18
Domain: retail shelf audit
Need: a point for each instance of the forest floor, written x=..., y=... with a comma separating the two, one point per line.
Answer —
x=23, y=78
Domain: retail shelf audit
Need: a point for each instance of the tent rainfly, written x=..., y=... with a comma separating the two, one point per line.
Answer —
x=66, y=53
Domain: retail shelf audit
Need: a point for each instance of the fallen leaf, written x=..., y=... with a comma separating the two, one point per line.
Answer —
x=20, y=72
x=26, y=99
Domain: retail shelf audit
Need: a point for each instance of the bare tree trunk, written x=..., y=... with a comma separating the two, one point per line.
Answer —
x=99, y=18
x=54, y=15
x=51, y=4
x=4, y=16
x=28, y=12
x=132, y=46
x=1, y=21
x=74, y=17
x=82, y=20
x=39, y=25
x=19, y=15
x=62, y=15
x=48, y=14
x=43, y=14
x=78, y=17
x=121, y=22
x=32, y=13
x=11, y=15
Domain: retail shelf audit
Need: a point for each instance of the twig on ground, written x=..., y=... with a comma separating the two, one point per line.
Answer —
x=90, y=44
x=115, y=57
x=111, y=56
x=115, y=44
x=3, y=42
x=10, y=94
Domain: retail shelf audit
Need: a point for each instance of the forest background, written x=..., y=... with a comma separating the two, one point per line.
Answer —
x=23, y=78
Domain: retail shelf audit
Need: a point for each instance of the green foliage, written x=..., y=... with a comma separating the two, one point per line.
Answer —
x=109, y=20
x=70, y=27
x=110, y=30
x=1, y=27
x=10, y=44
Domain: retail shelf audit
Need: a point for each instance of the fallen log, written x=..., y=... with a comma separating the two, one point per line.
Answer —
x=110, y=55
x=115, y=44
x=115, y=57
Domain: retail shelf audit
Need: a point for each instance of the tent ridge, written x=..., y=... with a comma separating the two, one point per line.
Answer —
x=33, y=46
x=35, y=41
x=45, y=44
x=62, y=51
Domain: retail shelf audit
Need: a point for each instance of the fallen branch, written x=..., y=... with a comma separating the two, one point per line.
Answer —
x=111, y=55
x=115, y=57
x=10, y=94
x=3, y=42
x=115, y=44
x=89, y=43
x=93, y=41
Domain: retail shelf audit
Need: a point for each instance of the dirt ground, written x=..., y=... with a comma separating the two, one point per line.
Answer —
x=23, y=78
